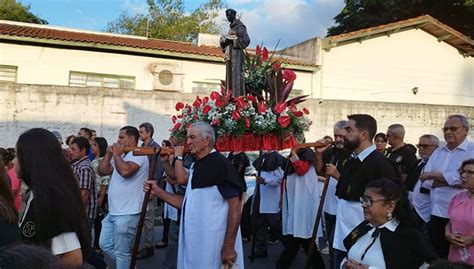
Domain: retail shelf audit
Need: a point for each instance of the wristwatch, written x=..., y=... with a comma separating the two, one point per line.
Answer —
x=179, y=158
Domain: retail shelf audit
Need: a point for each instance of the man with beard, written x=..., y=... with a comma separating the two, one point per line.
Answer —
x=366, y=164
x=329, y=162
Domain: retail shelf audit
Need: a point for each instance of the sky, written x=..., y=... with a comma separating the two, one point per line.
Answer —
x=268, y=22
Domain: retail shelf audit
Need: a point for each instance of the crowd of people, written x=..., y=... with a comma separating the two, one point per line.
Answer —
x=78, y=204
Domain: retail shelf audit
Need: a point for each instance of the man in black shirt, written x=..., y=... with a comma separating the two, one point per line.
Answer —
x=401, y=154
x=366, y=164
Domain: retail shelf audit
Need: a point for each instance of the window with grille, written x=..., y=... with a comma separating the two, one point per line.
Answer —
x=81, y=79
x=8, y=73
x=205, y=87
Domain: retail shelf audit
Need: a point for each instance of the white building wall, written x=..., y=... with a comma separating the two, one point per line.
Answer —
x=387, y=68
x=51, y=66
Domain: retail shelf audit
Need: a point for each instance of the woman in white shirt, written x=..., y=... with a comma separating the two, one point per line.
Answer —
x=54, y=216
x=387, y=238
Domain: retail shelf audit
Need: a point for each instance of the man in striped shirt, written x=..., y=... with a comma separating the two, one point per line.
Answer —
x=85, y=176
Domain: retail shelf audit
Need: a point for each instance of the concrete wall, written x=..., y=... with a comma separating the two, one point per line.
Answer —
x=385, y=69
x=66, y=109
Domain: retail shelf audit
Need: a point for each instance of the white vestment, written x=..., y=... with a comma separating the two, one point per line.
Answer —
x=202, y=229
x=300, y=204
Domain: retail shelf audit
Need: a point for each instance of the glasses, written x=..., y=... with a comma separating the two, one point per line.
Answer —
x=467, y=172
x=452, y=129
x=424, y=146
x=368, y=201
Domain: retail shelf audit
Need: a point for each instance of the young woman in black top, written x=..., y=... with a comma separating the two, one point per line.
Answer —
x=54, y=216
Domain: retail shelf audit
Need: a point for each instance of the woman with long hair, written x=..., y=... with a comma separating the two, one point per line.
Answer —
x=9, y=232
x=54, y=216
x=99, y=148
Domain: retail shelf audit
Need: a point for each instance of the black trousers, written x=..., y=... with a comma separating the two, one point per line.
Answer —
x=330, y=228
x=292, y=247
x=436, y=232
x=265, y=221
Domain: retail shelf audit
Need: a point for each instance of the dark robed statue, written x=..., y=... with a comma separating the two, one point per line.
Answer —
x=233, y=45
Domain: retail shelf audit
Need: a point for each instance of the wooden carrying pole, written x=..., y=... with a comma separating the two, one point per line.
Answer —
x=141, y=151
x=151, y=176
x=317, y=221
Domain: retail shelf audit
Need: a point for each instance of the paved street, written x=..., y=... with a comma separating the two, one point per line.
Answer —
x=273, y=253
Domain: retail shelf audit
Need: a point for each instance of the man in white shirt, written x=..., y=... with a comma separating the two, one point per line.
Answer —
x=125, y=197
x=418, y=192
x=441, y=172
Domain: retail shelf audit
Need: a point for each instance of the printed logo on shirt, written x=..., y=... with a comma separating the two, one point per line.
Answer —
x=29, y=229
x=399, y=159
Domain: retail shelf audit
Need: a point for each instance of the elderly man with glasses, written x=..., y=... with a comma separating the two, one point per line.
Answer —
x=419, y=192
x=441, y=173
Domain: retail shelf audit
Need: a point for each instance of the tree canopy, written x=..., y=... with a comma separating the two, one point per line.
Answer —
x=13, y=11
x=167, y=19
x=359, y=14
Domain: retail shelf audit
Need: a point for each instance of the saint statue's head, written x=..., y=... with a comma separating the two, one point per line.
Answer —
x=231, y=14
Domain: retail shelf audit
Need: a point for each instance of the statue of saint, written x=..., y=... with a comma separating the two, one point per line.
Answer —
x=233, y=46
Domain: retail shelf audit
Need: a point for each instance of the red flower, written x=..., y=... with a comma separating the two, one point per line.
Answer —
x=252, y=98
x=205, y=100
x=197, y=103
x=216, y=121
x=179, y=106
x=195, y=116
x=264, y=54
x=215, y=95
x=240, y=102
x=177, y=125
x=262, y=107
x=236, y=115
x=206, y=109
x=289, y=75
x=279, y=107
x=220, y=102
x=306, y=111
x=276, y=66
x=297, y=114
x=188, y=125
x=247, y=122
x=173, y=119
x=258, y=50
x=284, y=121
x=180, y=116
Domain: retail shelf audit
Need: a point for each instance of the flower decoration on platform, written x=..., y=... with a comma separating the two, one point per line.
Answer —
x=265, y=110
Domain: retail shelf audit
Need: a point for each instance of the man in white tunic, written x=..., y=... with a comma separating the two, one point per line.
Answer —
x=441, y=172
x=270, y=167
x=209, y=233
x=300, y=205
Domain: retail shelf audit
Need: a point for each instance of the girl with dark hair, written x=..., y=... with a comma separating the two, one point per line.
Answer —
x=9, y=232
x=460, y=229
x=387, y=238
x=99, y=148
x=380, y=141
x=55, y=215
